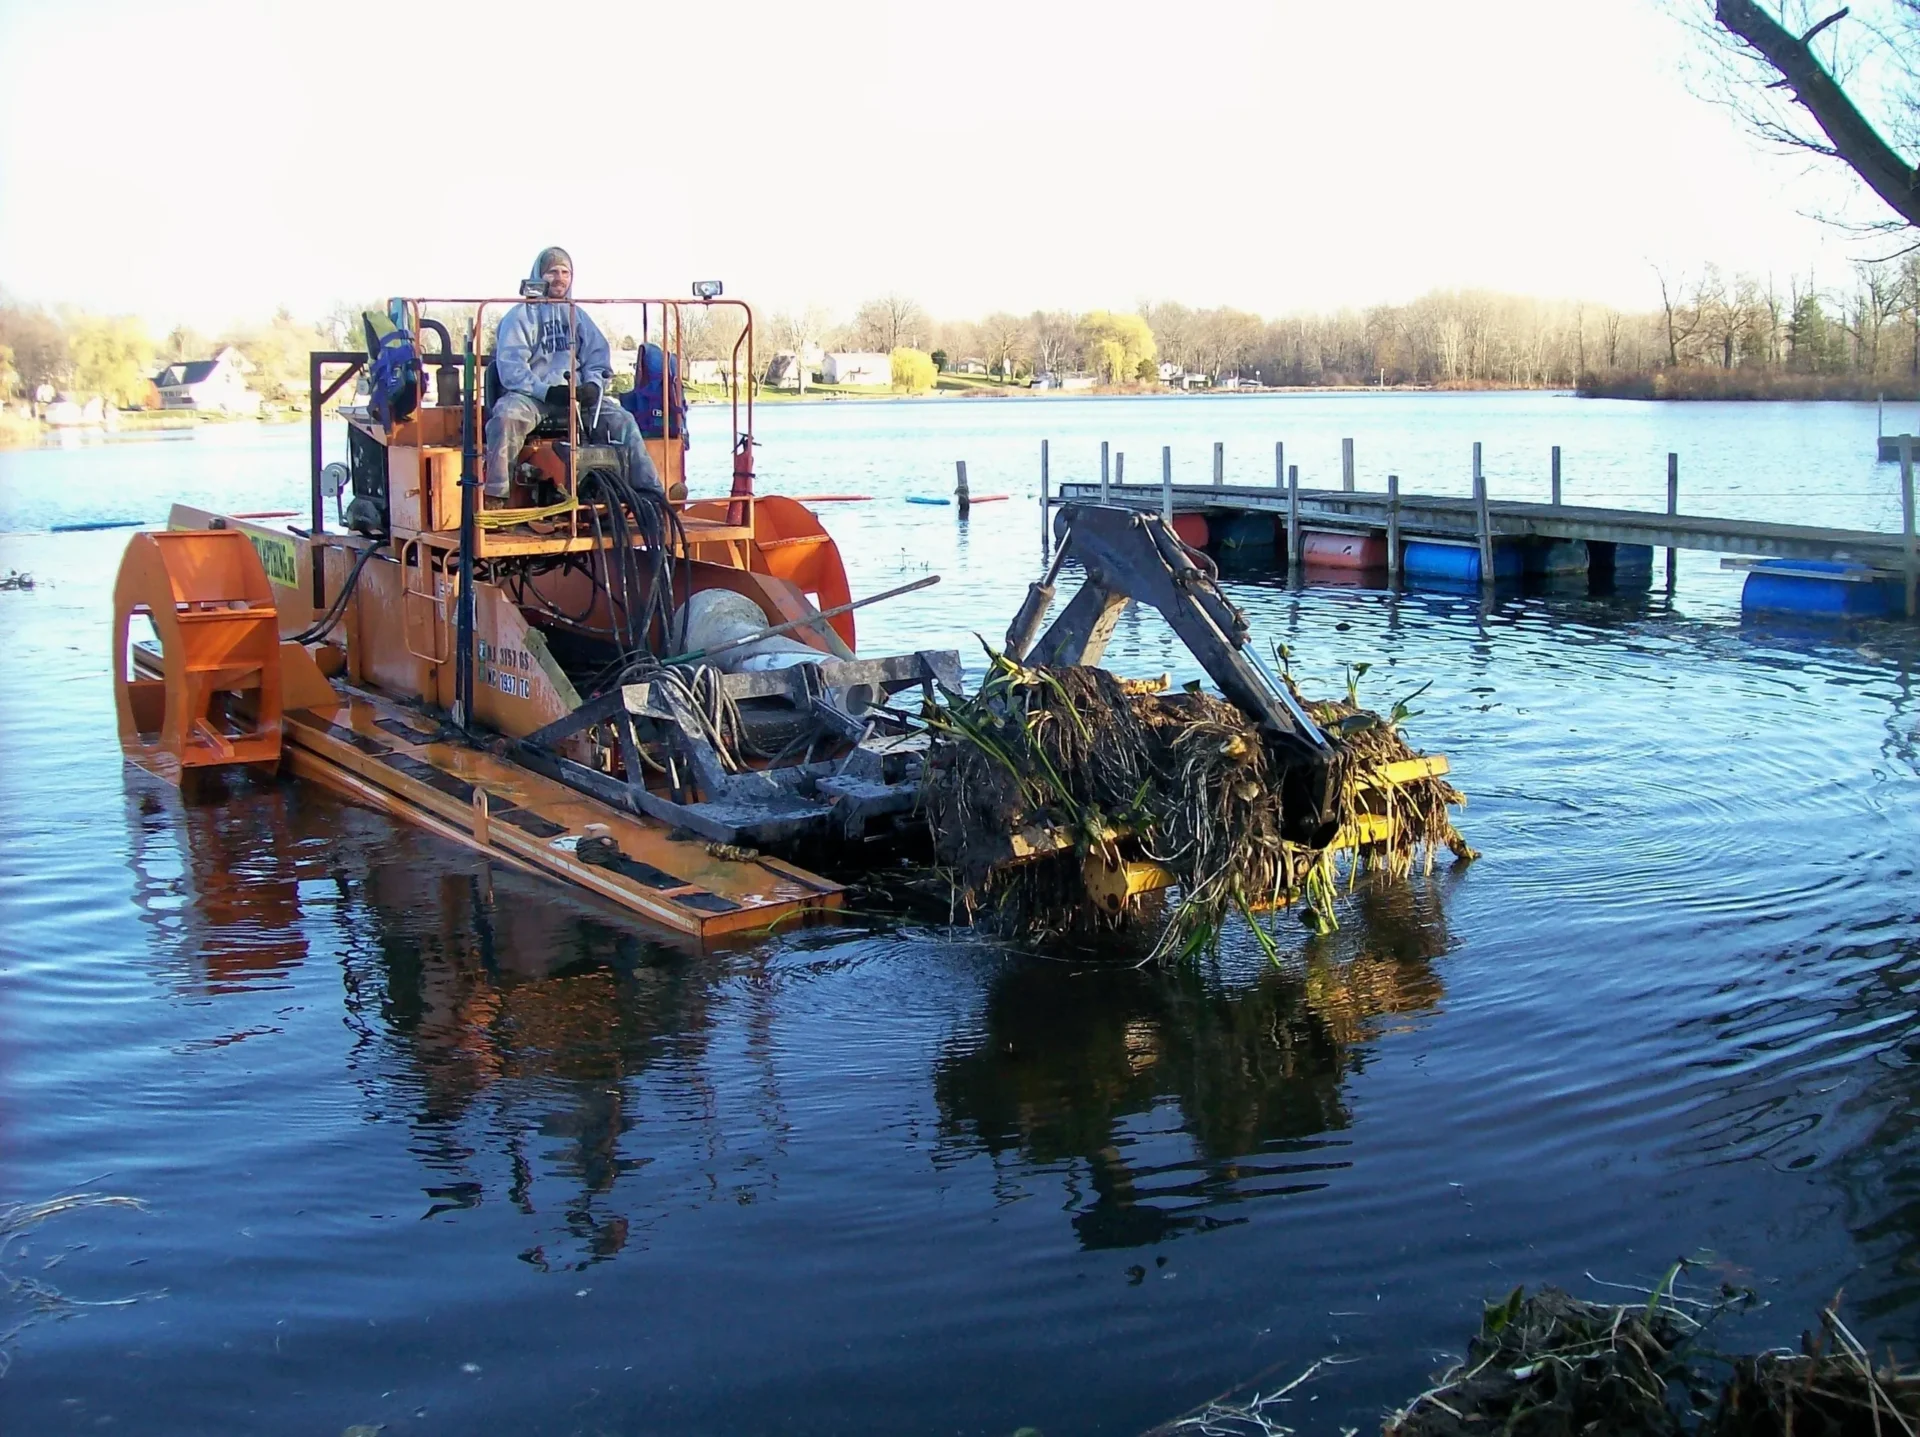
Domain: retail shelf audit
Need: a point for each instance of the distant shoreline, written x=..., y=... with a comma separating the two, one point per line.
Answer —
x=1745, y=386
x=1661, y=386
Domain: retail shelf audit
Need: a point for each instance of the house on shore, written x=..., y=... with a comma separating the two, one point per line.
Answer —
x=848, y=367
x=217, y=385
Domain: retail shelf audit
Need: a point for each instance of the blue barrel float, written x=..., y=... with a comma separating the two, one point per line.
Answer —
x=1548, y=557
x=1248, y=535
x=1620, y=566
x=1434, y=562
x=1839, y=588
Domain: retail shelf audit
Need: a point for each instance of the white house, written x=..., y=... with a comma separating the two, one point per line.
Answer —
x=873, y=371
x=708, y=371
x=218, y=384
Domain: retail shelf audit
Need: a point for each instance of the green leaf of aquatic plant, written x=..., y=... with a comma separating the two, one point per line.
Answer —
x=1496, y=1317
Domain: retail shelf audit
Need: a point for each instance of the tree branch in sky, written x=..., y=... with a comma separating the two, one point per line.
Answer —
x=1850, y=136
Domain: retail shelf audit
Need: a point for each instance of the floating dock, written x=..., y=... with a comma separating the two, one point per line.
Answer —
x=1475, y=539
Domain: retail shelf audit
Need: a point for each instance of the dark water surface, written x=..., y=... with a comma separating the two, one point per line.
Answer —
x=454, y=1150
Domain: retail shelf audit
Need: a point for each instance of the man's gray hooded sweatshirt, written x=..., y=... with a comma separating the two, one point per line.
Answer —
x=536, y=342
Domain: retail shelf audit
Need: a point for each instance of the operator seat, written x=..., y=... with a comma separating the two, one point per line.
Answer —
x=491, y=391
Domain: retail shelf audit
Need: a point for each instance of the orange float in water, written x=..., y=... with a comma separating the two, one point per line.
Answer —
x=1322, y=550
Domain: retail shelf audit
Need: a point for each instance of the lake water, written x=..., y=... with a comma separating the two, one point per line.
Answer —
x=450, y=1150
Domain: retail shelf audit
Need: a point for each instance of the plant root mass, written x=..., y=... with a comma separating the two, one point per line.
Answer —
x=1048, y=772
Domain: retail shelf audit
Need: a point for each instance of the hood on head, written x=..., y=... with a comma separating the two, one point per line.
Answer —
x=547, y=257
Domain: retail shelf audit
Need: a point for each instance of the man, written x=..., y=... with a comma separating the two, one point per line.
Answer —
x=536, y=347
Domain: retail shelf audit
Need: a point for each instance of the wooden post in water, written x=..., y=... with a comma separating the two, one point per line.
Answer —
x=1293, y=518
x=1673, y=507
x=1483, y=525
x=1219, y=464
x=1556, y=476
x=960, y=495
x=1393, y=526
x=1346, y=465
x=1279, y=464
x=1046, y=515
x=1906, y=518
x=1119, y=470
x=1104, y=470
x=1166, y=485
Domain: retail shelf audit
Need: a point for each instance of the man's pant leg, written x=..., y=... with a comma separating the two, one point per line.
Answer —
x=512, y=420
x=617, y=428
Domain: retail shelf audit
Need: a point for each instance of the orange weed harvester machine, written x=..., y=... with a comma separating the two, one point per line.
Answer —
x=655, y=699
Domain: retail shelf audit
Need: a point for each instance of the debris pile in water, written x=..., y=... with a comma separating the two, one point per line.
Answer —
x=15, y=579
x=1552, y=1364
x=1186, y=777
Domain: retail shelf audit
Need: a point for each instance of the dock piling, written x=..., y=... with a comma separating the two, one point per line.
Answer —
x=1279, y=464
x=1346, y=465
x=1046, y=514
x=1906, y=518
x=1482, y=523
x=1393, y=526
x=1120, y=469
x=1673, y=507
x=1219, y=464
x=960, y=495
x=1293, y=518
x=1556, y=476
x=1166, y=484
x=1104, y=474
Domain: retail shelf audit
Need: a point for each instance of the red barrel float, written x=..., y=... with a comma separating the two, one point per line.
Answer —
x=1192, y=529
x=1320, y=549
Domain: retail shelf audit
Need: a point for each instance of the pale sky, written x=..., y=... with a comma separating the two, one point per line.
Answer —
x=207, y=161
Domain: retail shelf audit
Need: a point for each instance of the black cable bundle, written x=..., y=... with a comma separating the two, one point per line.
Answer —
x=323, y=625
x=638, y=581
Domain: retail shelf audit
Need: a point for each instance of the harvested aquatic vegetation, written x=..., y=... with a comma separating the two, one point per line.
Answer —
x=1257, y=1415
x=36, y=1295
x=1829, y=1389
x=15, y=579
x=1552, y=1364
x=1046, y=770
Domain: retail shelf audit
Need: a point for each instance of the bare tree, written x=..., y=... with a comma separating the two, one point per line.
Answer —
x=1790, y=96
x=891, y=322
x=1004, y=337
x=1681, y=321
x=1055, y=336
x=1875, y=301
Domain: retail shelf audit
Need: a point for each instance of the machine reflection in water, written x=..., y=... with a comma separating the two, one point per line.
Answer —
x=220, y=882
x=528, y=1040
x=1070, y=1065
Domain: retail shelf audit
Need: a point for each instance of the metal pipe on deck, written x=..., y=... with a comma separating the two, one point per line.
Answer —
x=1166, y=484
x=1105, y=474
x=1219, y=464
